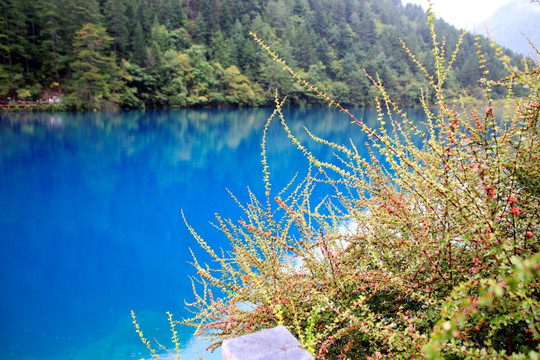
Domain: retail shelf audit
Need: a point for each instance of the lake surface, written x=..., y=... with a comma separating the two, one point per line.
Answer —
x=90, y=217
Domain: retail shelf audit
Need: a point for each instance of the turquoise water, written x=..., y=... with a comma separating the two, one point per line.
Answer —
x=90, y=217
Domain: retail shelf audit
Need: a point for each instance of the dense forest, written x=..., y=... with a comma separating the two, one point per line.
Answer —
x=178, y=53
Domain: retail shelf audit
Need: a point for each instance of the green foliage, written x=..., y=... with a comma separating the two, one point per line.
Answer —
x=239, y=88
x=38, y=46
x=5, y=83
x=138, y=45
x=117, y=24
x=427, y=248
x=94, y=70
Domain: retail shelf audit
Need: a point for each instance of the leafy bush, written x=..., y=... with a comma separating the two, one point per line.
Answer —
x=426, y=249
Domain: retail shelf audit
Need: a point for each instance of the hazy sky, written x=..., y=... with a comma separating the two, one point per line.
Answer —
x=462, y=13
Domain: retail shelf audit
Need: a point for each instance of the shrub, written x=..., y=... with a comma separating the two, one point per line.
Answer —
x=426, y=250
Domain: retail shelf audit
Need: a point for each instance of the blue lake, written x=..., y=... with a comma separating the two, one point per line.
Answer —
x=90, y=217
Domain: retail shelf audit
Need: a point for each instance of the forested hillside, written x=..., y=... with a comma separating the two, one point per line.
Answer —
x=178, y=53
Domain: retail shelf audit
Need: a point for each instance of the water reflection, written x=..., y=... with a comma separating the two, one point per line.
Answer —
x=91, y=225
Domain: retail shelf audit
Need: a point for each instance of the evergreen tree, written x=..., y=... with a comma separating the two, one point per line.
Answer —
x=218, y=49
x=171, y=14
x=117, y=24
x=138, y=45
x=14, y=37
x=236, y=43
x=180, y=39
x=226, y=20
x=278, y=15
x=177, y=17
x=80, y=12
x=145, y=14
x=130, y=15
x=324, y=51
x=204, y=23
x=94, y=70
x=159, y=37
x=52, y=18
x=320, y=17
x=349, y=64
x=299, y=7
x=343, y=38
x=305, y=51
x=322, y=38
x=164, y=13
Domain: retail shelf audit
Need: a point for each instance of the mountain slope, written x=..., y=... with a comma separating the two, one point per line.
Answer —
x=178, y=53
x=508, y=23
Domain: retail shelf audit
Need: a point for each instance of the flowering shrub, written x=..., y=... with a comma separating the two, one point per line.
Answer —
x=419, y=251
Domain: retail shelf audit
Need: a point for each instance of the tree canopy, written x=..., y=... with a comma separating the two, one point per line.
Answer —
x=177, y=53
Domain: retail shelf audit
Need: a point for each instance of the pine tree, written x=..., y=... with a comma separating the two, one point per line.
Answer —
x=171, y=14
x=80, y=12
x=236, y=43
x=145, y=14
x=204, y=23
x=299, y=8
x=305, y=51
x=177, y=17
x=37, y=45
x=138, y=45
x=219, y=49
x=14, y=37
x=94, y=70
x=226, y=19
x=117, y=24
x=52, y=20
